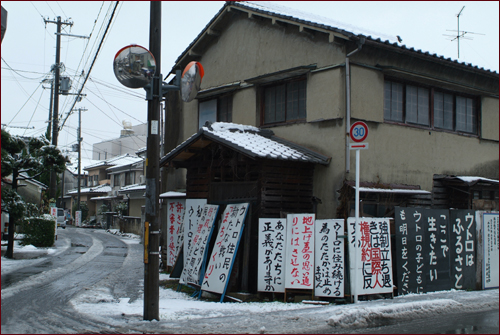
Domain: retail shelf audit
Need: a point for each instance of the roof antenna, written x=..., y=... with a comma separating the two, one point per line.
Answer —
x=460, y=34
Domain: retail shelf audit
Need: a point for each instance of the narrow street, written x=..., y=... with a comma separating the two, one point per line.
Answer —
x=36, y=299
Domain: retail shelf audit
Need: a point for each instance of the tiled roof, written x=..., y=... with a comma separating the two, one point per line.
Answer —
x=252, y=142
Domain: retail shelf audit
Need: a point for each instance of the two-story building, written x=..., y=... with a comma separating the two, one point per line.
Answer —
x=308, y=81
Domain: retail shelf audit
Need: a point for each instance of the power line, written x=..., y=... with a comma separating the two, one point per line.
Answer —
x=16, y=71
x=93, y=62
x=24, y=104
x=34, y=110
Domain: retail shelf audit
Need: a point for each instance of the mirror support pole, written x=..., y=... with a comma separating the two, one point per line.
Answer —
x=152, y=221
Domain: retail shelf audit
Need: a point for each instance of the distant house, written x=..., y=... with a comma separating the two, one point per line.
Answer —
x=30, y=190
x=105, y=179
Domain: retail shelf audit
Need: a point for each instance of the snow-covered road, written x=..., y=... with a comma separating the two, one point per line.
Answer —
x=117, y=303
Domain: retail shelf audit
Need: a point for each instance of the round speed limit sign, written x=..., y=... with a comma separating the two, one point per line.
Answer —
x=359, y=131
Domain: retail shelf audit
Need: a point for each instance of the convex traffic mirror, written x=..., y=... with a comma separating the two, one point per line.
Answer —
x=191, y=81
x=134, y=66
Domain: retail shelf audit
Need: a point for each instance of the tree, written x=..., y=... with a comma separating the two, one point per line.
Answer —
x=25, y=158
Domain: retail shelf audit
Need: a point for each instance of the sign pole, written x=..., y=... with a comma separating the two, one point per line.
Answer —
x=358, y=133
x=356, y=209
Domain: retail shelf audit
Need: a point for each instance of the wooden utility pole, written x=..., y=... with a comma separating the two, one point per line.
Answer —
x=152, y=222
x=55, y=114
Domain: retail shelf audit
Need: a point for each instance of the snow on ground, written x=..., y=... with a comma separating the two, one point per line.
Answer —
x=29, y=252
x=100, y=304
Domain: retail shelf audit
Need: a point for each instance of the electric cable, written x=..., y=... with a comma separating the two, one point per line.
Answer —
x=91, y=66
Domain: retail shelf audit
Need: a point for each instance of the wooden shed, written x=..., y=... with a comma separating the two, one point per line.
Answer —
x=229, y=163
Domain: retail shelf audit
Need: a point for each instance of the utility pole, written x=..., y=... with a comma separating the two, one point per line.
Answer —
x=79, y=139
x=152, y=229
x=55, y=114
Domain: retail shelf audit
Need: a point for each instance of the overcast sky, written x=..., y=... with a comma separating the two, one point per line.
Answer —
x=29, y=48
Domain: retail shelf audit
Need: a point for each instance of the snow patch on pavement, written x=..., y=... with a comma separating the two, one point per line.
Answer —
x=360, y=316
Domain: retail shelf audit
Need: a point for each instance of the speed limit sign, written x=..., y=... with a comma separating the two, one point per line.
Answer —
x=359, y=131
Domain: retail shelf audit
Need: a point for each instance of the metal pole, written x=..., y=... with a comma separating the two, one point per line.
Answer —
x=152, y=227
x=356, y=209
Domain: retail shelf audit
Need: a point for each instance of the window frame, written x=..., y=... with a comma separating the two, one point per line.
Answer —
x=221, y=100
x=432, y=90
x=285, y=83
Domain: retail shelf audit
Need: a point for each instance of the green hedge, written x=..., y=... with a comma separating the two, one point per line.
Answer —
x=39, y=232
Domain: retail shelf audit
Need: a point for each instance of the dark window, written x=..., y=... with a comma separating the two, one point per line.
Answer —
x=225, y=109
x=411, y=104
x=443, y=110
x=129, y=178
x=466, y=115
x=215, y=110
x=417, y=105
x=393, y=101
x=116, y=180
x=285, y=102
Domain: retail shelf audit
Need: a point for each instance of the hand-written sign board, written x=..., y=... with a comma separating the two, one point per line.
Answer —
x=194, y=210
x=490, y=250
x=271, y=269
x=225, y=248
x=329, y=258
x=175, y=233
x=300, y=251
x=463, y=250
x=422, y=245
x=197, y=253
x=372, y=237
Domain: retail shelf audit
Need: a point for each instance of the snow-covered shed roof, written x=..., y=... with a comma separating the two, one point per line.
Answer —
x=248, y=140
x=468, y=180
x=332, y=27
x=371, y=187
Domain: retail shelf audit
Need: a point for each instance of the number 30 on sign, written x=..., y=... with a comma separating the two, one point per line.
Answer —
x=359, y=131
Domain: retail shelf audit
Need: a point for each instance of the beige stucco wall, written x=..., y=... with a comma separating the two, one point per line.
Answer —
x=256, y=48
x=326, y=95
x=367, y=94
x=135, y=207
x=489, y=118
x=245, y=103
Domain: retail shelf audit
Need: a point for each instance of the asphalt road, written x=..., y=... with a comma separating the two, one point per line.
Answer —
x=36, y=299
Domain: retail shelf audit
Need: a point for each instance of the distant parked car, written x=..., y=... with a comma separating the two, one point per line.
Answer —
x=61, y=218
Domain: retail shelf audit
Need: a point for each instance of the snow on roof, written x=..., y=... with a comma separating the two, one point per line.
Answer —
x=251, y=139
x=115, y=161
x=126, y=161
x=172, y=194
x=134, y=187
x=104, y=188
x=275, y=8
x=253, y=142
x=476, y=179
x=393, y=190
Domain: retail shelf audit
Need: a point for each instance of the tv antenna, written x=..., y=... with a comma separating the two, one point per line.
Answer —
x=460, y=34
